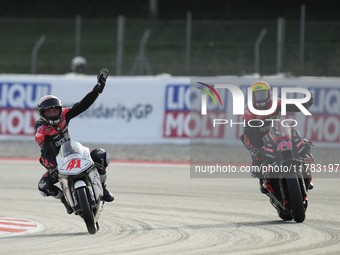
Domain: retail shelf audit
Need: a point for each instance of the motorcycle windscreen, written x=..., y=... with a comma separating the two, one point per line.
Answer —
x=69, y=148
x=73, y=158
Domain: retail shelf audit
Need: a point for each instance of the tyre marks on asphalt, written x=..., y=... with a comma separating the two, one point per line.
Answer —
x=146, y=235
x=185, y=230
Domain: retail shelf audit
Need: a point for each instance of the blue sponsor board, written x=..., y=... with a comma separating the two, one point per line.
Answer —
x=326, y=101
x=177, y=97
x=21, y=95
x=182, y=117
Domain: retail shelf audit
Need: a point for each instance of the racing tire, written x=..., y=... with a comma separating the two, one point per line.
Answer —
x=86, y=210
x=295, y=198
x=284, y=216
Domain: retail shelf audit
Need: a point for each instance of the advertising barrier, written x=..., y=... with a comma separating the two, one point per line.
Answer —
x=129, y=111
x=322, y=127
x=158, y=109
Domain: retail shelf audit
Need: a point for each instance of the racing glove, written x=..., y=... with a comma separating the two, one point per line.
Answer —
x=255, y=152
x=101, y=80
x=53, y=173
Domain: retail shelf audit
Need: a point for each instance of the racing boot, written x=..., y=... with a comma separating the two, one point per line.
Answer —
x=308, y=183
x=263, y=189
x=60, y=196
x=67, y=206
x=107, y=196
x=102, y=160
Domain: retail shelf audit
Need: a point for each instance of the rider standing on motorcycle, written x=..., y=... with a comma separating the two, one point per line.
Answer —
x=51, y=131
x=262, y=100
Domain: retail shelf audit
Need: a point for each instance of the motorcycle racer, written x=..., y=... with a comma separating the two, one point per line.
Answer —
x=51, y=131
x=252, y=137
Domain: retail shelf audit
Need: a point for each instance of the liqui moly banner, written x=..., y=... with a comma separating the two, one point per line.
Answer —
x=164, y=110
x=182, y=118
x=324, y=123
x=130, y=110
x=18, y=104
x=319, y=123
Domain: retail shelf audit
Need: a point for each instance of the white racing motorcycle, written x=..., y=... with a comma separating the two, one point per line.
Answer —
x=80, y=183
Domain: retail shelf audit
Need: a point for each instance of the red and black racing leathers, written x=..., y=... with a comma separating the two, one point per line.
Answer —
x=253, y=135
x=50, y=138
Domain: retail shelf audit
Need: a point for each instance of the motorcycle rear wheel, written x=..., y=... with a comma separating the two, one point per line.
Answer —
x=295, y=198
x=87, y=212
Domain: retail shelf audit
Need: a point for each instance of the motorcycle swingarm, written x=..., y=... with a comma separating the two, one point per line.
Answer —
x=276, y=203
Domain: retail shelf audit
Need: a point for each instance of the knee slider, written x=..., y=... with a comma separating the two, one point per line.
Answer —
x=101, y=159
x=43, y=188
x=47, y=189
x=42, y=193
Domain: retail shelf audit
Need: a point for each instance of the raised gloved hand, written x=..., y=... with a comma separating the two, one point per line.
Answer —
x=255, y=152
x=101, y=80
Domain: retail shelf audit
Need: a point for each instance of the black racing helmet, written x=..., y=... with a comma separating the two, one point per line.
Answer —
x=47, y=102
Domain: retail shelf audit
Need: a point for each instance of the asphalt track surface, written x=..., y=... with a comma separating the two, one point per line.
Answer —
x=159, y=209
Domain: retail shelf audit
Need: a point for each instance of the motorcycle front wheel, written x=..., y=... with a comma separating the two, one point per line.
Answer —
x=295, y=198
x=284, y=216
x=86, y=210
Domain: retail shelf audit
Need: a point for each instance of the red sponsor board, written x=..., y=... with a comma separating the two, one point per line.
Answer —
x=185, y=124
x=17, y=121
x=323, y=128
